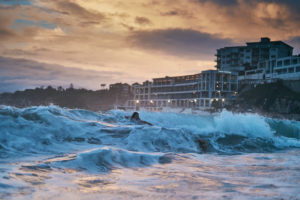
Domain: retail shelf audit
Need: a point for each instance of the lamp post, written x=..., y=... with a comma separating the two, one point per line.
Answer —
x=136, y=104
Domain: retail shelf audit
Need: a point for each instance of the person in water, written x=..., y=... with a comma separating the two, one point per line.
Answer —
x=135, y=117
x=203, y=144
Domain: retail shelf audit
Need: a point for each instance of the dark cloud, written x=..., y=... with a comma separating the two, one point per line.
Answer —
x=177, y=12
x=8, y=32
x=129, y=28
x=221, y=2
x=284, y=16
x=171, y=13
x=275, y=23
x=18, y=74
x=71, y=8
x=290, y=3
x=293, y=5
x=179, y=42
x=89, y=23
x=5, y=31
x=142, y=21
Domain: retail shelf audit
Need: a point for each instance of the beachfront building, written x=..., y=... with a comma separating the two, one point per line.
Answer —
x=121, y=91
x=241, y=58
x=198, y=91
x=287, y=68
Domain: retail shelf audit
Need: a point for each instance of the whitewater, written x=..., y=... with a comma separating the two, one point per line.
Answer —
x=48, y=152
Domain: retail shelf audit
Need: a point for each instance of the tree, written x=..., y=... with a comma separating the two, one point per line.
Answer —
x=71, y=86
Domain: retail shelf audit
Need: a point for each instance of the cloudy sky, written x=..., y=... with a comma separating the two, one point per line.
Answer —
x=89, y=42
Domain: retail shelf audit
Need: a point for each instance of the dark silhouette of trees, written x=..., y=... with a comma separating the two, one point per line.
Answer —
x=70, y=98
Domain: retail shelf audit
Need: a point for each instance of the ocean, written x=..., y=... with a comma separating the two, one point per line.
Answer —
x=48, y=152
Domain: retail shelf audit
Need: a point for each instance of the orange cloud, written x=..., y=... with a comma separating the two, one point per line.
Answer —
x=143, y=39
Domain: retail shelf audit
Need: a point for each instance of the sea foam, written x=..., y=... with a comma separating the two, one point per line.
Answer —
x=47, y=129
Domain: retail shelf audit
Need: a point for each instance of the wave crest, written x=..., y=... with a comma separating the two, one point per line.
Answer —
x=47, y=129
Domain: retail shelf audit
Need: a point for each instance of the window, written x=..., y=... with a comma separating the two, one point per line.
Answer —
x=225, y=86
x=262, y=65
x=279, y=63
x=207, y=103
x=298, y=69
x=202, y=102
x=233, y=78
x=291, y=70
x=287, y=62
x=233, y=87
x=294, y=61
x=281, y=71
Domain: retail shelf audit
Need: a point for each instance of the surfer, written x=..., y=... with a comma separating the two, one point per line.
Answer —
x=136, y=118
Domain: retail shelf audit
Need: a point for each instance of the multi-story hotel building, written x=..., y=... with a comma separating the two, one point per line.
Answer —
x=257, y=62
x=241, y=58
x=260, y=62
x=189, y=91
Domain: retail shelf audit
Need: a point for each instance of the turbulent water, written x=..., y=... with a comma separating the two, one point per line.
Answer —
x=55, y=153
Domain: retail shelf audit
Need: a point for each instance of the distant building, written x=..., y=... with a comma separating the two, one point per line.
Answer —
x=188, y=91
x=241, y=58
x=122, y=92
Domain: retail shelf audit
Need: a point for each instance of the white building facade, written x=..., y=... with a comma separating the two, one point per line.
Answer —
x=197, y=91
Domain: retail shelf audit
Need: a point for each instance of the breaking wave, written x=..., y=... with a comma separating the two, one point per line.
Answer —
x=117, y=142
x=107, y=158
